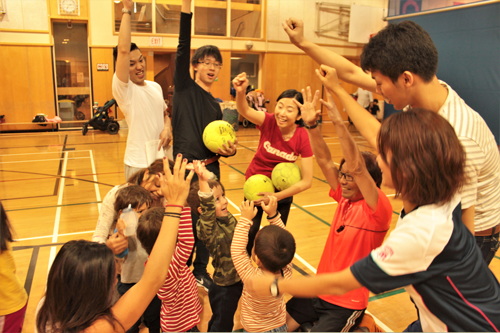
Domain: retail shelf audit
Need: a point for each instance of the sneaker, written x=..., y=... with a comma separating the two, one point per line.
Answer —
x=204, y=281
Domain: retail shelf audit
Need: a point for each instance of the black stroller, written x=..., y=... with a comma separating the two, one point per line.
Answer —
x=101, y=120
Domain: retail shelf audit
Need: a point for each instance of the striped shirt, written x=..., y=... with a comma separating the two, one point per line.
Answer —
x=258, y=314
x=482, y=164
x=180, y=306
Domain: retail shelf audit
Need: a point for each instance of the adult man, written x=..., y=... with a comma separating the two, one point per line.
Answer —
x=403, y=62
x=194, y=108
x=365, y=98
x=141, y=101
x=360, y=224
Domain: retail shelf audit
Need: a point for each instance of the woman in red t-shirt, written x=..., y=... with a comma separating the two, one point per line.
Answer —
x=282, y=139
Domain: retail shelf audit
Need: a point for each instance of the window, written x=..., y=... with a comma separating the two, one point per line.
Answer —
x=404, y=7
x=246, y=18
x=142, y=20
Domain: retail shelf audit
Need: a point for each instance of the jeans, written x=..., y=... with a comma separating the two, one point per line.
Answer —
x=224, y=302
x=284, y=209
x=283, y=328
x=151, y=315
x=488, y=246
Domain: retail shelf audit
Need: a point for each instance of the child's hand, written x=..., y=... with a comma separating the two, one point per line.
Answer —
x=331, y=108
x=240, y=83
x=307, y=110
x=328, y=77
x=271, y=207
x=264, y=198
x=248, y=210
x=202, y=172
x=118, y=242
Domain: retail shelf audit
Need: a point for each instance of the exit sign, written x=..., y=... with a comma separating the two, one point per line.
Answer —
x=155, y=41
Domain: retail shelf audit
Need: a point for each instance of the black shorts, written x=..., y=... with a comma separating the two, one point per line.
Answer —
x=327, y=317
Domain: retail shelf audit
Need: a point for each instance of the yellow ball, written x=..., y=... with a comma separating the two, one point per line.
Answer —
x=217, y=133
x=256, y=184
x=285, y=175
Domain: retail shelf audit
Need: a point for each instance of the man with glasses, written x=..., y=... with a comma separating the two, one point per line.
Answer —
x=194, y=108
x=362, y=219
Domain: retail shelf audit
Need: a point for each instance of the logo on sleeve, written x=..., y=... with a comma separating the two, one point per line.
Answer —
x=384, y=253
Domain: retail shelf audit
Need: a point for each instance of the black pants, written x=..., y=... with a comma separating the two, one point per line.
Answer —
x=224, y=302
x=151, y=315
x=202, y=255
x=284, y=209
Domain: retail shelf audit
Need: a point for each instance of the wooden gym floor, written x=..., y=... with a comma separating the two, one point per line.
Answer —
x=52, y=184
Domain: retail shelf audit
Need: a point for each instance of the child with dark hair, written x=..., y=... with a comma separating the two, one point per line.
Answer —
x=273, y=253
x=359, y=225
x=283, y=139
x=215, y=229
x=13, y=297
x=194, y=108
x=180, y=305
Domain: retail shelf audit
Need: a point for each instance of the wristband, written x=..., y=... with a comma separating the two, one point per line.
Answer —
x=126, y=11
x=274, y=288
x=178, y=206
x=312, y=126
x=176, y=215
x=272, y=217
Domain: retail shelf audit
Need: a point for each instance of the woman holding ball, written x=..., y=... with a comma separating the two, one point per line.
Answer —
x=282, y=139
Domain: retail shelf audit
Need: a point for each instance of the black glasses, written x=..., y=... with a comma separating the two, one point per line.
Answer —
x=347, y=176
x=207, y=63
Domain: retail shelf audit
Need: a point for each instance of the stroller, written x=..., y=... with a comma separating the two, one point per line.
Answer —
x=256, y=100
x=101, y=120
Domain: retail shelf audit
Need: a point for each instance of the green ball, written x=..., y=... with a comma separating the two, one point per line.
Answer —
x=255, y=185
x=217, y=133
x=285, y=175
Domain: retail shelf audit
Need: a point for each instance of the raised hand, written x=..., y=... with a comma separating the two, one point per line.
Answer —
x=295, y=30
x=271, y=207
x=174, y=187
x=328, y=77
x=331, y=107
x=201, y=171
x=307, y=110
x=240, y=83
x=248, y=210
x=128, y=4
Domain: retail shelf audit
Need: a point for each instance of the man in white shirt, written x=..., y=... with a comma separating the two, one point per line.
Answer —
x=141, y=101
x=365, y=98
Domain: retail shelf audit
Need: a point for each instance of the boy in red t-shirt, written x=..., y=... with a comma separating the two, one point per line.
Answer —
x=360, y=223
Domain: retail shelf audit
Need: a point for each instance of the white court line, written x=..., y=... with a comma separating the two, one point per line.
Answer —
x=59, y=235
x=44, y=152
x=321, y=204
x=379, y=323
x=58, y=212
x=49, y=159
x=97, y=192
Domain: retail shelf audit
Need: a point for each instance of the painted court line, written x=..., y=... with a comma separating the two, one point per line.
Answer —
x=97, y=192
x=44, y=152
x=49, y=159
x=59, y=235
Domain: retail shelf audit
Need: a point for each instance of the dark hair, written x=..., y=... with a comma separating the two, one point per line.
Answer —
x=5, y=230
x=375, y=100
x=206, y=51
x=275, y=247
x=193, y=198
x=427, y=163
x=133, y=46
x=149, y=227
x=155, y=168
x=401, y=47
x=292, y=93
x=133, y=195
x=80, y=288
x=371, y=165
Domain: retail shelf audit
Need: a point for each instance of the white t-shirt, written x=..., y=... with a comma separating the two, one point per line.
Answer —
x=365, y=97
x=143, y=107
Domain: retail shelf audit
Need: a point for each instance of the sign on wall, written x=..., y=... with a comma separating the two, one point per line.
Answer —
x=155, y=41
x=102, y=67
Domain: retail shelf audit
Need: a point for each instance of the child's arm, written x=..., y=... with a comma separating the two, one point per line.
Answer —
x=240, y=84
x=271, y=210
x=206, y=224
x=241, y=260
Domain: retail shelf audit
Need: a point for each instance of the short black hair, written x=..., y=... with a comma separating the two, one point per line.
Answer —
x=275, y=247
x=405, y=46
x=206, y=51
x=193, y=198
x=371, y=165
x=375, y=100
x=292, y=93
x=133, y=46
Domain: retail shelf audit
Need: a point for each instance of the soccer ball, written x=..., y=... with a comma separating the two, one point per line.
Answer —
x=285, y=175
x=217, y=133
x=256, y=184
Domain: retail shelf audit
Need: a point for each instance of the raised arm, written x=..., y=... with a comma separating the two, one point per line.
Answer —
x=347, y=70
x=239, y=254
x=367, y=125
x=124, y=41
x=182, y=75
x=240, y=84
x=354, y=161
x=320, y=149
x=175, y=189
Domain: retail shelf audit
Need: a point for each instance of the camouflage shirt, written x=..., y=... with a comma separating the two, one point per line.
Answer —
x=217, y=234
